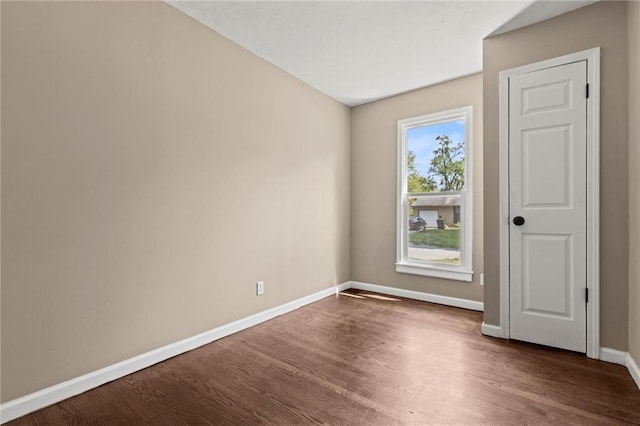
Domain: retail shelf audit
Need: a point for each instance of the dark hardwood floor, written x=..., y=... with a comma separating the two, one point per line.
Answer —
x=360, y=360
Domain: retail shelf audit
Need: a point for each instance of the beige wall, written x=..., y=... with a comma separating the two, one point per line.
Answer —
x=447, y=214
x=373, y=185
x=602, y=24
x=633, y=14
x=133, y=136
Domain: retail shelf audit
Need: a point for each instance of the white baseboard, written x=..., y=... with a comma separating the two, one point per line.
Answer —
x=613, y=356
x=417, y=295
x=491, y=330
x=633, y=369
x=29, y=403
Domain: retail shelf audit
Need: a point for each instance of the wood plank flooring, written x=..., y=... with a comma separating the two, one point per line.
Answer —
x=360, y=360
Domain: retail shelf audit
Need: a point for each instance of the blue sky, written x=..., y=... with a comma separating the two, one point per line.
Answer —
x=422, y=141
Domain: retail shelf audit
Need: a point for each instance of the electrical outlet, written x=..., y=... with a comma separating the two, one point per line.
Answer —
x=259, y=288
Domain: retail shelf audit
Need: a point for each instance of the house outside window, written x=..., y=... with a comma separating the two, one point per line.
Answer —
x=434, y=221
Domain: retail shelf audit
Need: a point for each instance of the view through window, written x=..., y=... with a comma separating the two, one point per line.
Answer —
x=435, y=171
x=435, y=231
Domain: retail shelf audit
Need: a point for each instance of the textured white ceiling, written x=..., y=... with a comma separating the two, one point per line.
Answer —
x=360, y=51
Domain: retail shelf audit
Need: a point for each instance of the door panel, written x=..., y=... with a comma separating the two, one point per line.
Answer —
x=545, y=177
x=547, y=275
x=547, y=187
x=546, y=97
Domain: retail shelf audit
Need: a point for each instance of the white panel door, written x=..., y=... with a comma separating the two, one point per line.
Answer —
x=431, y=217
x=547, y=189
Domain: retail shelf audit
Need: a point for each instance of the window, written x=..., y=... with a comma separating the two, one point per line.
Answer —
x=435, y=195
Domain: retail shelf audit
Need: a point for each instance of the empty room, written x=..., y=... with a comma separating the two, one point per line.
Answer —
x=319, y=212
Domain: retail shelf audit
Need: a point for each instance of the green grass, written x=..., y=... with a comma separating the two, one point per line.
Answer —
x=455, y=261
x=445, y=238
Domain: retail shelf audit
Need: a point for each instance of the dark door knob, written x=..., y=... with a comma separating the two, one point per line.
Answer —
x=518, y=220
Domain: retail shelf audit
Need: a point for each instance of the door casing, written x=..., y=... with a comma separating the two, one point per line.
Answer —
x=592, y=56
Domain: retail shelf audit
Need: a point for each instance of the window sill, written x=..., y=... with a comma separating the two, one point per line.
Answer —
x=434, y=271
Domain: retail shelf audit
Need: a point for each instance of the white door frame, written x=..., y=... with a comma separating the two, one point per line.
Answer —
x=592, y=56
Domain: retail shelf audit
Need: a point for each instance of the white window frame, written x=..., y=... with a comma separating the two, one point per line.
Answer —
x=464, y=271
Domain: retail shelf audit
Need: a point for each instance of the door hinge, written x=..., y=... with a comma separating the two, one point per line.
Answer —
x=587, y=90
x=586, y=295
